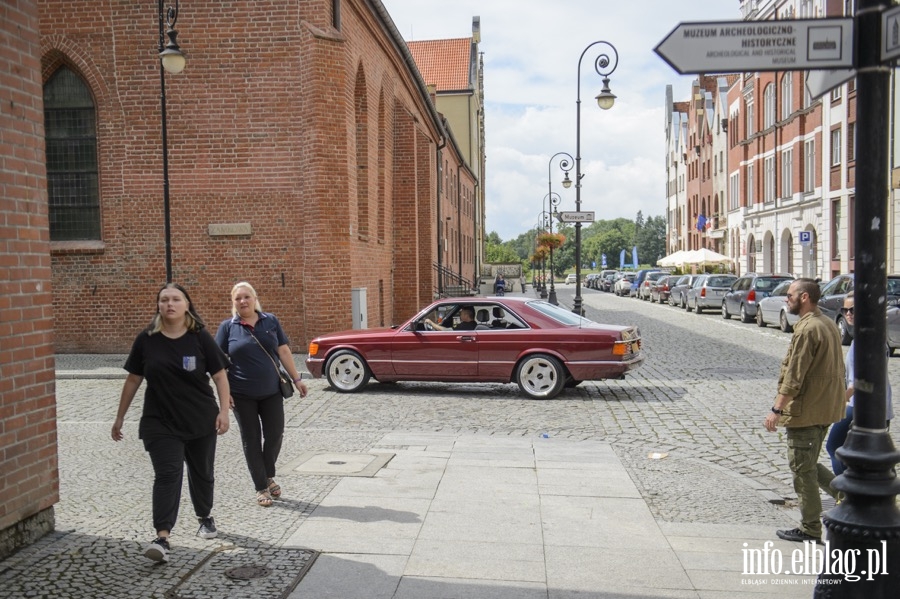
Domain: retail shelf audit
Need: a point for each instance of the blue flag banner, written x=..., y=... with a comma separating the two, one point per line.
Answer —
x=634, y=256
x=602, y=260
x=701, y=222
x=622, y=259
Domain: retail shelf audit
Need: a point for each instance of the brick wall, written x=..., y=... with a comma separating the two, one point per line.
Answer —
x=29, y=486
x=261, y=130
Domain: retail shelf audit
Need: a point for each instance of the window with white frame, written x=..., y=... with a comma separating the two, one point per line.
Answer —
x=769, y=106
x=769, y=179
x=836, y=93
x=787, y=173
x=836, y=147
x=787, y=95
x=750, y=199
x=809, y=166
x=750, y=127
x=734, y=191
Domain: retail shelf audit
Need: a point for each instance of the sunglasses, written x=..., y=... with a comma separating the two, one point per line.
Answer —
x=847, y=310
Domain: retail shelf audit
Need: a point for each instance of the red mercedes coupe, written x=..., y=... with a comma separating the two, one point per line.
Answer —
x=541, y=347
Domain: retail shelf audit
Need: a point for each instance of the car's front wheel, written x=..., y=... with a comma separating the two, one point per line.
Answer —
x=725, y=313
x=759, y=318
x=540, y=376
x=346, y=371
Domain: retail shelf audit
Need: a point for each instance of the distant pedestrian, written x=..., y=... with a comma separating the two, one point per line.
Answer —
x=499, y=285
x=838, y=433
x=259, y=350
x=180, y=419
x=810, y=398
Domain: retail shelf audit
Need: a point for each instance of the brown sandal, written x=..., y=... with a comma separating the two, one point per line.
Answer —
x=263, y=499
x=274, y=489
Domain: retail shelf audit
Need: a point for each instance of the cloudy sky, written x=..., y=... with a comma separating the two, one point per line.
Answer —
x=531, y=50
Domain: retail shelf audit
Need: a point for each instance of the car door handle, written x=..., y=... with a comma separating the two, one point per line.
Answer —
x=466, y=338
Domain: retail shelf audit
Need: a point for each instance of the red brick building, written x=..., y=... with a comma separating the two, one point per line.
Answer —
x=304, y=155
x=28, y=459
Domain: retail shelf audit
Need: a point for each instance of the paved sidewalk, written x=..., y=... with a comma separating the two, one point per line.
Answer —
x=485, y=517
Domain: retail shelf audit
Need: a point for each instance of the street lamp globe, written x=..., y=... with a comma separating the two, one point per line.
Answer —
x=567, y=183
x=606, y=99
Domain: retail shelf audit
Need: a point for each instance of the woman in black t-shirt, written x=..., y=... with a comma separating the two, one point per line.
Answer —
x=181, y=418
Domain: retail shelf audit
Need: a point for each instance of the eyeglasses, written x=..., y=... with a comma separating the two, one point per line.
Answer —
x=847, y=310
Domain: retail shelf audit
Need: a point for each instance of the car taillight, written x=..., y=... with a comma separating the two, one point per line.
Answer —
x=313, y=348
x=703, y=292
x=751, y=297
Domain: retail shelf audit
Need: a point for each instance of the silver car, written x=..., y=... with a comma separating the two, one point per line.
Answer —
x=773, y=308
x=708, y=291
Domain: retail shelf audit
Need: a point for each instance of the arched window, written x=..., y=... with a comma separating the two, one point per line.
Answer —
x=769, y=106
x=787, y=95
x=71, y=144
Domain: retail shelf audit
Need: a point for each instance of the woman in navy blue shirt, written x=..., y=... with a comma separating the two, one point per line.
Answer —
x=256, y=345
x=180, y=419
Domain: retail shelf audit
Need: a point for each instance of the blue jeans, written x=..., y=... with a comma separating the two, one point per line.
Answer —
x=836, y=438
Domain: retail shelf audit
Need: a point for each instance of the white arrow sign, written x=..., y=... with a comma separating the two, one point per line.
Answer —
x=820, y=83
x=738, y=46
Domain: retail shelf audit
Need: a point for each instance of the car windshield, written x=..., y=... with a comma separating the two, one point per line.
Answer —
x=767, y=283
x=893, y=286
x=720, y=281
x=559, y=314
x=782, y=288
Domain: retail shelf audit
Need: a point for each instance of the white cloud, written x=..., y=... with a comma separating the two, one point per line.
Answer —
x=531, y=52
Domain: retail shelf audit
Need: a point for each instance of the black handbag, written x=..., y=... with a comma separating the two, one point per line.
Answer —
x=285, y=384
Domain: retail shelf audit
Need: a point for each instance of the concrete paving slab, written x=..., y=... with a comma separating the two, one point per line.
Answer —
x=477, y=560
x=589, y=569
x=352, y=576
x=619, y=593
x=588, y=483
x=418, y=587
x=620, y=524
x=726, y=583
x=484, y=523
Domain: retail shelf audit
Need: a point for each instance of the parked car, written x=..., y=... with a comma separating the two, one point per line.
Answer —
x=659, y=290
x=623, y=285
x=834, y=292
x=649, y=281
x=893, y=328
x=707, y=292
x=744, y=293
x=570, y=278
x=541, y=347
x=639, y=280
x=678, y=291
x=590, y=281
x=773, y=309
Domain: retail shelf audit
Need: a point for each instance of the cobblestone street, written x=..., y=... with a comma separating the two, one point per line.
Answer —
x=700, y=398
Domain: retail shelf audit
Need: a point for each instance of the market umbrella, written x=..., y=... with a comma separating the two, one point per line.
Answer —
x=705, y=256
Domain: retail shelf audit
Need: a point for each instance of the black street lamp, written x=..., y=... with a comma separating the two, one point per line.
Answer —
x=172, y=60
x=553, y=199
x=565, y=164
x=605, y=63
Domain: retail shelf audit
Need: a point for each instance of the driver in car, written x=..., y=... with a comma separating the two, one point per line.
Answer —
x=466, y=321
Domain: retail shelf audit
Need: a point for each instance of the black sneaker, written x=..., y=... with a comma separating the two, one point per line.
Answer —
x=796, y=535
x=207, y=528
x=158, y=550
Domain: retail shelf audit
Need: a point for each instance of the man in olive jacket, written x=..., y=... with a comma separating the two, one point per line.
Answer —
x=810, y=398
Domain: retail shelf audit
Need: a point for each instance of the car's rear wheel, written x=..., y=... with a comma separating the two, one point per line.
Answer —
x=744, y=316
x=697, y=307
x=759, y=318
x=540, y=376
x=346, y=371
x=783, y=323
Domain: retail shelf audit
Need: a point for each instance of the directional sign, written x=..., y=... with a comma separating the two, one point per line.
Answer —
x=738, y=46
x=576, y=217
x=890, y=33
x=820, y=83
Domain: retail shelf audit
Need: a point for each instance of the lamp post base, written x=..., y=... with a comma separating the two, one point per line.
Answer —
x=552, y=297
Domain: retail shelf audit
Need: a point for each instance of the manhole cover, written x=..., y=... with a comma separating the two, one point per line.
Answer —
x=247, y=572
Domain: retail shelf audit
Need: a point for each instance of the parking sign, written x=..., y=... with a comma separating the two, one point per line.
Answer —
x=805, y=237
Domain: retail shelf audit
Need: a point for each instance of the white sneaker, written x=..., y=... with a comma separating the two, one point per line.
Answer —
x=158, y=550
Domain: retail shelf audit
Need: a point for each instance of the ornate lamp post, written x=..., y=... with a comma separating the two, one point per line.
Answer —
x=554, y=201
x=172, y=60
x=605, y=63
x=565, y=164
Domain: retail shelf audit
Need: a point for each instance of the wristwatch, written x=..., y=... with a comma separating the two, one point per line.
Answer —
x=777, y=411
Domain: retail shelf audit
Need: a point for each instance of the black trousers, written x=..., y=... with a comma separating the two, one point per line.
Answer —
x=169, y=455
x=261, y=420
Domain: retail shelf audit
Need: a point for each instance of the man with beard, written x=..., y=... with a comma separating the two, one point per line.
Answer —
x=810, y=398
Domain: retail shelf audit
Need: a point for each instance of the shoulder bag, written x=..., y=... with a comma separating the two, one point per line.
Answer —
x=284, y=382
